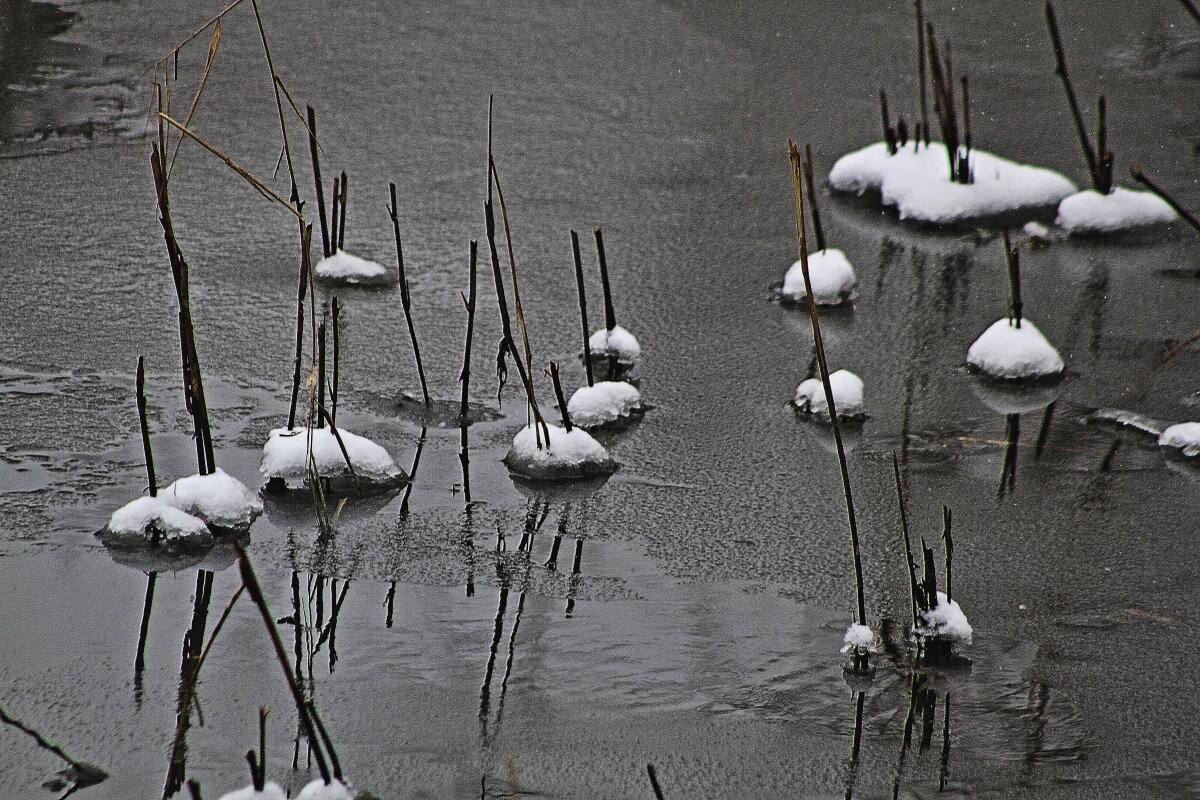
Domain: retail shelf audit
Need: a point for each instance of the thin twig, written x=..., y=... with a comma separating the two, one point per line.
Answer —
x=583, y=315
x=1141, y=177
x=405, y=297
x=145, y=427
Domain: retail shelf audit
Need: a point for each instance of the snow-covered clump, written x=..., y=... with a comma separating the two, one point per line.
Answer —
x=916, y=180
x=1006, y=351
x=286, y=456
x=616, y=342
x=1089, y=212
x=847, y=395
x=945, y=621
x=320, y=790
x=149, y=520
x=347, y=268
x=833, y=279
x=567, y=456
x=219, y=499
x=1184, y=435
x=270, y=791
x=602, y=403
x=860, y=639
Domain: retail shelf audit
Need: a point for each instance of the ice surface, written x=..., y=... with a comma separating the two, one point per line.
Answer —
x=271, y=791
x=219, y=499
x=568, y=455
x=319, y=790
x=348, y=268
x=604, y=402
x=150, y=520
x=832, y=277
x=1089, y=212
x=860, y=638
x=1184, y=435
x=617, y=342
x=917, y=182
x=286, y=456
x=945, y=621
x=1006, y=351
x=847, y=395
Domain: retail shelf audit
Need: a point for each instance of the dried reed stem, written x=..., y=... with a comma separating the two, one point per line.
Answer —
x=405, y=297
x=583, y=315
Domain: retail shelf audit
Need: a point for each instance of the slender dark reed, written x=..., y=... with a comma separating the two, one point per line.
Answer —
x=811, y=186
x=333, y=393
x=301, y=290
x=908, y=554
x=405, y=297
x=1141, y=177
x=583, y=315
x=558, y=394
x=1085, y=143
x=341, y=237
x=948, y=545
x=921, y=77
x=1012, y=257
x=321, y=414
x=653, y=775
x=145, y=427
x=316, y=166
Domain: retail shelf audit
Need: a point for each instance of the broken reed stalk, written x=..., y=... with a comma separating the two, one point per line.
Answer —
x=334, y=214
x=464, y=376
x=275, y=86
x=1012, y=257
x=512, y=268
x=889, y=133
x=948, y=550
x=333, y=389
x=1106, y=462
x=321, y=415
x=213, y=46
x=802, y=246
x=302, y=289
x=306, y=711
x=405, y=297
x=583, y=315
x=316, y=167
x=610, y=313
x=558, y=394
x=145, y=427
x=908, y=555
x=262, y=747
x=653, y=775
x=1103, y=154
x=193, y=384
x=341, y=235
x=1060, y=59
x=139, y=659
x=921, y=71
x=964, y=164
x=1135, y=170
x=810, y=185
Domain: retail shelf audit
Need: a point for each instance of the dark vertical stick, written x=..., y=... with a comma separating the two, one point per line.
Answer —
x=943, y=96
x=1106, y=462
x=333, y=395
x=610, y=314
x=145, y=427
x=658, y=793
x=341, y=237
x=583, y=315
x=1061, y=68
x=964, y=171
x=305, y=243
x=908, y=555
x=1044, y=431
x=139, y=660
x=1012, y=257
x=405, y=297
x=889, y=133
x=811, y=186
x=512, y=269
x=316, y=166
x=262, y=747
x=1141, y=177
x=321, y=374
x=558, y=394
x=464, y=376
x=921, y=70
x=1103, y=156
x=802, y=246
x=944, y=771
x=948, y=545
x=334, y=215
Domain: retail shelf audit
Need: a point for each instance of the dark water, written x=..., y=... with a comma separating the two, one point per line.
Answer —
x=701, y=628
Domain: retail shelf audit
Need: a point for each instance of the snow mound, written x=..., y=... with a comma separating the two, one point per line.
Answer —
x=860, y=639
x=271, y=791
x=945, y=621
x=1006, y=351
x=1089, y=212
x=568, y=456
x=602, y=403
x=916, y=180
x=847, y=395
x=832, y=276
x=347, y=268
x=1185, y=436
x=286, y=456
x=219, y=499
x=616, y=342
x=319, y=790
x=149, y=520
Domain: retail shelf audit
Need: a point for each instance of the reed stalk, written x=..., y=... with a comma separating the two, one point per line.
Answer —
x=815, y=209
x=405, y=296
x=1141, y=177
x=1012, y=257
x=301, y=290
x=316, y=167
x=583, y=315
x=140, y=392
x=558, y=394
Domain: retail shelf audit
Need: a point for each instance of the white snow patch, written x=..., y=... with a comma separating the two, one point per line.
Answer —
x=945, y=621
x=286, y=456
x=1184, y=435
x=917, y=182
x=1006, y=351
x=348, y=268
x=219, y=499
x=617, y=342
x=153, y=520
x=568, y=455
x=847, y=395
x=1119, y=210
x=319, y=790
x=860, y=639
x=271, y=791
x=832, y=276
x=603, y=402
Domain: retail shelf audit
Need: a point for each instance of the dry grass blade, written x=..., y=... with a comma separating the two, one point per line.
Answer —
x=212, y=57
x=174, y=54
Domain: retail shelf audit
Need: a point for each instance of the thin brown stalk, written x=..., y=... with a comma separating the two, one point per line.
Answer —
x=276, y=85
x=174, y=53
x=464, y=376
x=212, y=57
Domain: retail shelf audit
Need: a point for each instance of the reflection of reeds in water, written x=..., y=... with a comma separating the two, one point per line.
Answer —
x=851, y=765
x=1008, y=468
x=922, y=706
x=79, y=773
x=139, y=658
x=652, y=774
x=412, y=472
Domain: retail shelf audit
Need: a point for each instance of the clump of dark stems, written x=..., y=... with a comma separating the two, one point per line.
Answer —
x=405, y=296
x=860, y=658
x=958, y=145
x=1099, y=158
x=932, y=649
x=1012, y=258
x=1135, y=170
